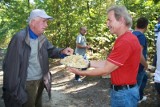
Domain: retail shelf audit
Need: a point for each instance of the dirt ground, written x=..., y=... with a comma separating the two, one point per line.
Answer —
x=92, y=92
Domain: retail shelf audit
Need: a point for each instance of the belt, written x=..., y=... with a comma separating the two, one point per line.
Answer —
x=122, y=87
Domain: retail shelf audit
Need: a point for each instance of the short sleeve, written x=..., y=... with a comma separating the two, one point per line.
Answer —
x=78, y=39
x=120, y=53
x=142, y=40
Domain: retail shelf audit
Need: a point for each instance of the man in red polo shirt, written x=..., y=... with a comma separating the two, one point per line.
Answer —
x=123, y=61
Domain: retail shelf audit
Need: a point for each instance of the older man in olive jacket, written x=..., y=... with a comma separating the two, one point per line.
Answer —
x=26, y=65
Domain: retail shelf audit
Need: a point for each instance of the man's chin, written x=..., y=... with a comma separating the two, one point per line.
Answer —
x=111, y=32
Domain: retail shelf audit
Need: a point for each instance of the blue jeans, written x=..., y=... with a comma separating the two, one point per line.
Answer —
x=142, y=81
x=125, y=97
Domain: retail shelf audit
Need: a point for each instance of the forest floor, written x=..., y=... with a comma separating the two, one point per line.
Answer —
x=91, y=92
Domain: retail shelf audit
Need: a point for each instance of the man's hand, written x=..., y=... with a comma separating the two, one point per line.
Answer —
x=74, y=70
x=88, y=47
x=68, y=51
x=146, y=66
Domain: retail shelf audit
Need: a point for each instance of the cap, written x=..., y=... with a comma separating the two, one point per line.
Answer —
x=39, y=13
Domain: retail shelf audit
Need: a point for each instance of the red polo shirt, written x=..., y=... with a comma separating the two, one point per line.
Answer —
x=125, y=54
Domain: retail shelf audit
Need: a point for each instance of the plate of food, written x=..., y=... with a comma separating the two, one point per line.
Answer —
x=76, y=61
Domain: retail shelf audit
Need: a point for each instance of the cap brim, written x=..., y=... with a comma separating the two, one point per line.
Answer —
x=47, y=17
x=51, y=18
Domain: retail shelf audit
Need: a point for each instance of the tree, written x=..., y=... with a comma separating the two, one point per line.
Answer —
x=70, y=15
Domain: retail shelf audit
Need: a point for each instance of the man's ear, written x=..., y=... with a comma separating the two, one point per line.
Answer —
x=32, y=22
x=121, y=19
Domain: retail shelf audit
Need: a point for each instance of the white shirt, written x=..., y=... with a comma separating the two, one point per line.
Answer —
x=157, y=72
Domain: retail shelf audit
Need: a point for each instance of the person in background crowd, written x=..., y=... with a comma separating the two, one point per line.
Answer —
x=156, y=30
x=123, y=61
x=157, y=71
x=141, y=27
x=81, y=47
x=26, y=65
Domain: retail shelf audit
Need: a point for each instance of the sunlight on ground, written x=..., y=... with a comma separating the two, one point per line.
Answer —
x=73, y=89
x=61, y=84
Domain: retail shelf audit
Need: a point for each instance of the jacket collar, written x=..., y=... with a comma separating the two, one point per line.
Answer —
x=32, y=34
x=41, y=38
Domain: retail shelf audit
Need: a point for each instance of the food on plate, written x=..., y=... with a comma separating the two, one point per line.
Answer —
x=76, y=61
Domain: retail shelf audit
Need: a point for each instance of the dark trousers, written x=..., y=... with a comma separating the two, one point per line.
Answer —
x=154, y=59
x=157, y=87
x=78, y=76
x=34, y=90
x=11, y=102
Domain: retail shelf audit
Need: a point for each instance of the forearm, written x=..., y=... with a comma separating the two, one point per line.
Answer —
x=97, y=64
x=94, y=72
x=55, y=52
x=80, y=46
x=143, y=61
x=105, y=70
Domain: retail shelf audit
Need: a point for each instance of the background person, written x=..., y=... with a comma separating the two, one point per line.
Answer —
x=157, y=71
x=26, y=65
x=156, y=31
x=123, y=61
x=141, y=27
x=81, y=47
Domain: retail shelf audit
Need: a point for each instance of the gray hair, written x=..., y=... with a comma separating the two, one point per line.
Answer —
x=121, y=11
x=33, y=19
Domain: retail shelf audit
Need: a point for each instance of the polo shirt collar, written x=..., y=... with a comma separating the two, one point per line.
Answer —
x=32, y=35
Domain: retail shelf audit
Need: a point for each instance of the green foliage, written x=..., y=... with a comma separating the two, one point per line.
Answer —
x=13, y=17
x=70, y=15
